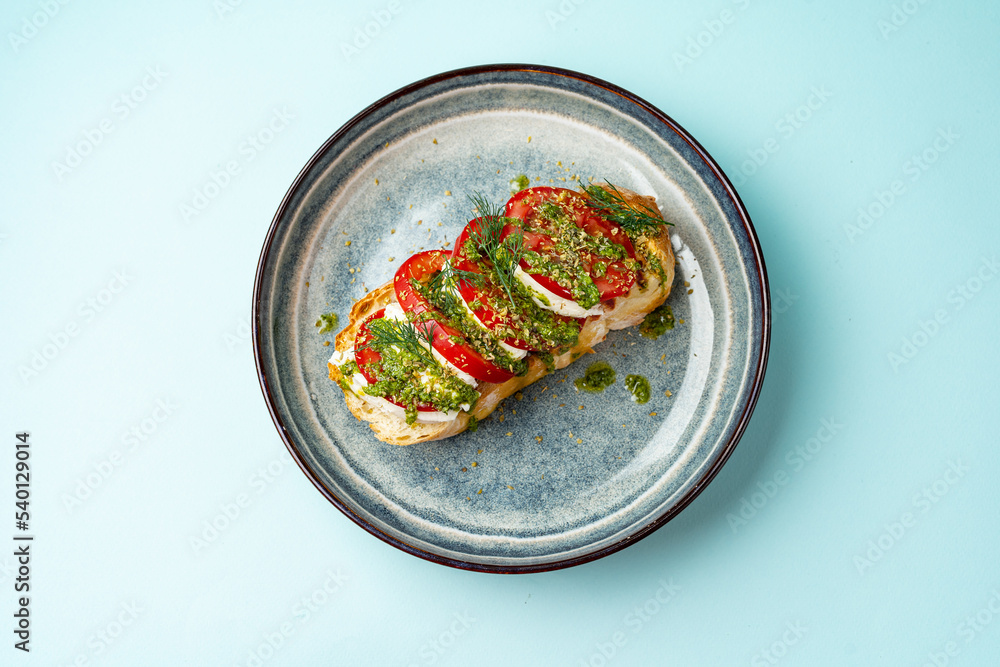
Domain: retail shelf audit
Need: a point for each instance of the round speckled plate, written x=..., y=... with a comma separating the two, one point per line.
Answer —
x=556, y=477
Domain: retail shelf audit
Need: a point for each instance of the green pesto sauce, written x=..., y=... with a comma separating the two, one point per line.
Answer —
x=638, y=386
x=598, y=377
x=476, y=336
x=398, y=376
x=657, y=322
x=569, y=273
x=348, y=369
x=519, y=183
x=563, y=263
x=473, y=423
x=524, y=319
x=327, y=322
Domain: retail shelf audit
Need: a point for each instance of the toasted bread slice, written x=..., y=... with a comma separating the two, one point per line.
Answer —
x=620, y=313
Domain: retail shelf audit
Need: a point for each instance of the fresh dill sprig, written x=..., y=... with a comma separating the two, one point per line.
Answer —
x=449, y=278
x=612, y=206
x=503, y=252
x=404, y=335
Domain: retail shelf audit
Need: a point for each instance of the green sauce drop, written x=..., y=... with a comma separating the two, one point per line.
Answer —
x=638, y=386
x=598, y=377
x=327, y=322
x=657, y=322
x=519, y=183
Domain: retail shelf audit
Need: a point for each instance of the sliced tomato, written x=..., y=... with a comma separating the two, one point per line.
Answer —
x=481, y=294
x=487, y=295
x=370, y=360
x=447, y=340
x=617, y=278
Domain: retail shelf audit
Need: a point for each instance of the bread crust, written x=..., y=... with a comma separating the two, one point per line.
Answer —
x=620, y=313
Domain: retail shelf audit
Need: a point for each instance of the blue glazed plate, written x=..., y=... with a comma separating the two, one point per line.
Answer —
x=555, y=477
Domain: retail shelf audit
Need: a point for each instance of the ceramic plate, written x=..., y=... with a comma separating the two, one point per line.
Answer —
x=557, y=477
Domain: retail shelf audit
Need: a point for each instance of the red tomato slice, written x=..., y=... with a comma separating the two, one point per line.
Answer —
x=368, y=360
x=617, y=279
x=481, y=293
x=448, y=341
x=470, y=292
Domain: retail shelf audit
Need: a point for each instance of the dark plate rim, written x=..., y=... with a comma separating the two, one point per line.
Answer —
x=687, y=498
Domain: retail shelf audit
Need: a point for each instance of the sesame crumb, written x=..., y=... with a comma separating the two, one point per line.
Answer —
x=510, y=433
x=392, y=259
x=510, y=487
x=519, y=396
x=326, y=343
x=529, y=138
x=376, y=181
x=579, y=441
x=667, y=393
x=434, y=142
x=479, y=492
x=347, y=242
x=479, y=451
x=465, y=470
x=447, y=193
x=538, y=438
x=652, y=414
x=580, y=408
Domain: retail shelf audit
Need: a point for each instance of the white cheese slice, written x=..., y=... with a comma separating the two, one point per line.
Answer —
x=513, y=351
x=394, y=312
x=557, y=304
x=358, y=383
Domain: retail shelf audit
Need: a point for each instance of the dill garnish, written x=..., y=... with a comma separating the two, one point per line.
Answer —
x=403, y=335
x=449, y=278
x=503, y=252
x=612, y=206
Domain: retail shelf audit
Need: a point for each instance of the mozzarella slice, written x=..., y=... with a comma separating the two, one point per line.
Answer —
x=358, y=384
x=395, y=312
x=549, y=301
x=515, y=352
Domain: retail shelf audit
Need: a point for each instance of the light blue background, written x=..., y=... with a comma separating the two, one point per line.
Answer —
x=177, y=331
